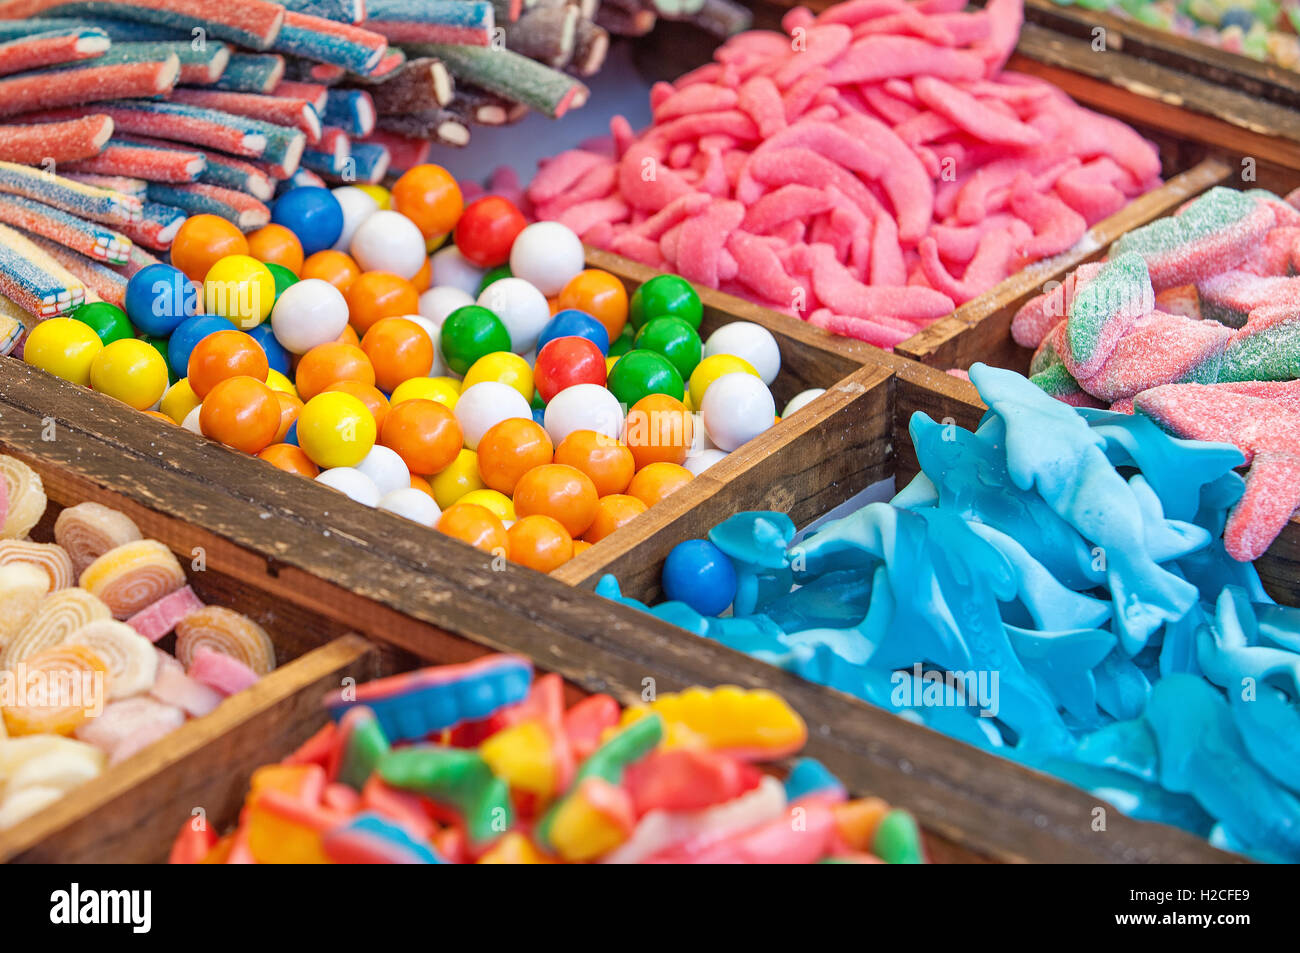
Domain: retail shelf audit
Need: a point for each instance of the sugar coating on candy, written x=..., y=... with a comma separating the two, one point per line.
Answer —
x=132, y=576
x=225, y=631
x=130, y=659
x=79, y=138
x=60, y=712
x=59, y=616
x=1159, y=348
x=1103, y=311
x=52, y=559
x=1267, y=348
x=22, y=587
x=33, y=280
x=219, y=670
x=24, y=498
x=88, y=530
x=88, y=238
x=129, y=718
x=160, y=618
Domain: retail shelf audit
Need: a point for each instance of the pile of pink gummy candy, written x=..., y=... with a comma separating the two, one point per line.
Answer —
x=869, y=169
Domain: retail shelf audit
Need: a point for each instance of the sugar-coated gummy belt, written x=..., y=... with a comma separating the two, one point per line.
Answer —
x=124, y=184
x=86, y=201
x=130, y=658
x=13, y=325
x=368, y=162
x=199, y=67
x=295, y=113
x=89, y=238
x=251, y=23
x=352, y=110
x=404, y=152
x=23, y=498
x=328, y=41
x=219, y=169
x=63, y=662
x=475, y=104
x=465, y=22
x=227, y=632
x=50, y=47
x=78, y=138
x=314, y=93
x=238, y=208
x=420, y=84
x=251, y=73
x=60, y=615
x=150, y=163
x=33, y=280
x=132, y=576
x=438, y=125
x=158, y=228
x=65, y=86
x=108, y=284
x=49, y=558
x=544, y=33
x=508, y=74
x=344, y=11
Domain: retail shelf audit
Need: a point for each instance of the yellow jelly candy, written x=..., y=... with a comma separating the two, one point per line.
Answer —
x=133, y=576
x=522, y=755
x=281, y=831
x=591, y=821
x=515, y=848
x=744, y=724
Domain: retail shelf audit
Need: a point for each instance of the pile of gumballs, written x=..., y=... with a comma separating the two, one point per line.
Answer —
x=450, y=363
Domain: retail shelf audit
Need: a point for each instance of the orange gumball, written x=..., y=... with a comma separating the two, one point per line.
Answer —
x=326, y=364
x=611, y=513
x=510, y=449
x=428, y=195
x=276, y=245
x=654, y=482
x=540, y=542
x=562, y=492
x=476, y=525
x=580, y=546
x=380, y=294
x=368, y=394
x=290, y=407
x=223, y=355
x=423, y=278
x=659, y=429
x=160, y=416
x=424, y=433
x=290, y=459
x=399, y=349
x=242, y=413
x=202, y=241
x=599, y=294
x=333, y=266
x=607, y=462
x=421, y=484
x=349, y=336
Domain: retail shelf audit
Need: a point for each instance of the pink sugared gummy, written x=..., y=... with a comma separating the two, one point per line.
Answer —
x=174, y=687
x=1159, y=349
x=219, y=671
x=140, y=717
x=156, y=620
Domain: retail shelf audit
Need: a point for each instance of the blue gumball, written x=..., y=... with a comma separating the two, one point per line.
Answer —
x=292, y=435
x=311, y=213
x=276, y=355
x=539, y=416
x=700, y=575
x=159, y=297
x=574, y=323
x=190, y=333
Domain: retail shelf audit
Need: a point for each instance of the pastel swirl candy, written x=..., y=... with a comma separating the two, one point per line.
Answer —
x=228, y=632
x=59, y=616
x=22, y=587
x=132, y=576
x=40, y=769
x=50, y=558
x=26, y=498
x=130, y=658
x=61, y=688
x=88, y=530
x=129, y=725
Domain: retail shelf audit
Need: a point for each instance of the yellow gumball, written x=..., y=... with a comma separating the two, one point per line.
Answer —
x=132, y=371
x=443, y=390
x=241, y=289
x=336, y=430
x=277, y=381
x=383, y=198
x=179, y=400
x=64, y=347
x=610, y=362
x=493, y=501
x=457, y=480
x=504, y=368
x=710, y=369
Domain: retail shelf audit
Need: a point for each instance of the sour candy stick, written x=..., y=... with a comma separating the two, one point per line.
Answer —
x=49, y=89
x=109, y=284
x=314, y=93
x=432, y=21
x=251, y=23
x=89, y=238
x=331, y=42
x=295, y=113
x=88, y=530
x=85, y=201
x=50, y=558
x=344, y=11
x=200, y=65
x=352, y=110
x=132, y=576
x=228, y=632
x=59, y=616
x=418, y=85
x=78, y=138
x=33, y=280
x=124, y=184
x=200, y=199
x=251, y=73
x=50, y=47
x=220, y=169
x=157, y=229
x=23, y=498
x=75, y=674
x=510, y=75
x=126, y=157
x=131, y=659
x=404, y=152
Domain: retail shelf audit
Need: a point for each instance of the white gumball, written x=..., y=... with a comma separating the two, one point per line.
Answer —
x=412, y=504
x=357, y=207
x=434, y=330
x=452, y=269
x=388, y=241
x=547, y=255
x=701, y=460
x=309, y=312
x=191, y=421
x=583, y=407
x=437, y=303
x=352, y=483
x=737, y=408
x=486, y=404
x=802, y=400
x=522, y=309
x=386, y=469
x=753, y=342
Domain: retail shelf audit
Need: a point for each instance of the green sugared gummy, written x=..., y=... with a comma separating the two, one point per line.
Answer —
x=897, y=839
x=1044, y=358
x=1269, y=355
x=366, y=747
x=1214, y=211
x=1121, y=282
x=455, y=778
x=1056, y=381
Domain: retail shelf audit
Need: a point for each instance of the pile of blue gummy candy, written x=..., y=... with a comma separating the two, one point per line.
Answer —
x=1052, y=588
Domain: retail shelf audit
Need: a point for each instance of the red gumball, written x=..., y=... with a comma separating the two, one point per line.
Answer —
x=486, y=230
x=567, y=361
